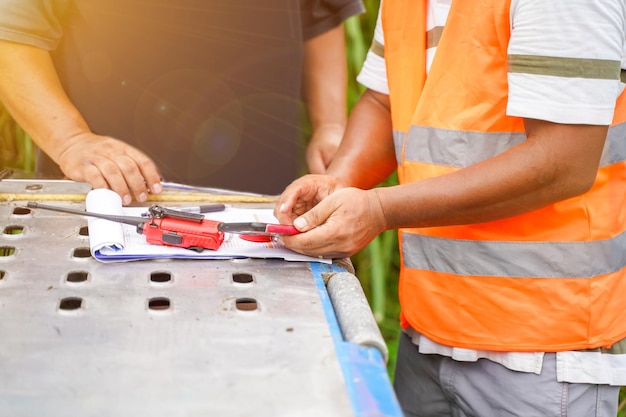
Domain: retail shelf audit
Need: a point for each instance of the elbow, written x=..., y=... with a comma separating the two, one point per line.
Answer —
x=578, y=184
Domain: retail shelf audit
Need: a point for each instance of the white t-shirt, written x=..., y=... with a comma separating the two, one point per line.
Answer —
x=549, y=39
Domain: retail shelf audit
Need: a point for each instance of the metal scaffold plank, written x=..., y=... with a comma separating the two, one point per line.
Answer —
x=236, y=337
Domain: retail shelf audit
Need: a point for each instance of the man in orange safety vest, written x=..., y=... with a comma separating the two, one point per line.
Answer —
x=506, y=123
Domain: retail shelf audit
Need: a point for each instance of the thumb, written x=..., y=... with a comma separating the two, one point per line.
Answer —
x=310, y=220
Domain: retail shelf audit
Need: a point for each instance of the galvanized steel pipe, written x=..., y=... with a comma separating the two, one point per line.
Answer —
x=353, y=313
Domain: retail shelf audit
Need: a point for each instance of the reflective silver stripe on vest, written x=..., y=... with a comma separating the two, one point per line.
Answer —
x=456, y=148
x=514, y=259
x=464, y=148
x=398, y=143
x=615, y=147
x=433, y=37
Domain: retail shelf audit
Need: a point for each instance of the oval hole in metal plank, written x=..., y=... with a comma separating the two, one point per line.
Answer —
x=34, y=187
x=21, y=211
x=243, y=278
x=2, y=274
x=7, y=250
x=13, y=230
x=70, y=303
x=159, y=303
x=246, y=304
x=83, y=231
x=77, y=276
x=160, y=277
x=81, y=253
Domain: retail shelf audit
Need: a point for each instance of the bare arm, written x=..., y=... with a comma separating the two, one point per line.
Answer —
x=31, y=91
x=367, y=155
x=365, y=158
x=555, y=163
x=324, y=86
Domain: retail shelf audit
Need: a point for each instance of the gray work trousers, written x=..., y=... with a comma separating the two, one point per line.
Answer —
x=438, y=386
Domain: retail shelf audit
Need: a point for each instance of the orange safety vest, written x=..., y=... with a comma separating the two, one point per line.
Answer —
x=553, y=279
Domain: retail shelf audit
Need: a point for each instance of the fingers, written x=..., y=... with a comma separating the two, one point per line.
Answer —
x=109, y=163
x=90, y=173
x=295, y=199
x=319, y=154
x=317, y=237
x=302, y=195
x=310, y=219
x=325, y=239
x=125, y=178
x=284, y=207
x=316, y=164
x=339, y=226
x=314, y=158
x=148, y=171
x=323, y=147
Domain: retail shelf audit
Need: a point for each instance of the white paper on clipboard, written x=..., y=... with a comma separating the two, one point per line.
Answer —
x=116, y=242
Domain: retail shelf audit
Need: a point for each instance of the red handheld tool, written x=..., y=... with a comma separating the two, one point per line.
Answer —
x=182, y=229
x=163, y=227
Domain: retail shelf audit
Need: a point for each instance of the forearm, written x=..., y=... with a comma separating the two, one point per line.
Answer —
x=325, y=79
x=32, y=93
x=555, y=163
x=366, y=156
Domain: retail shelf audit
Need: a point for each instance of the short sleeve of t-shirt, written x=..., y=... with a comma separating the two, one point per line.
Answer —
x=36, y=22
x=32, y=22
x=565, y=58
x=373, y=74
x=318, y=16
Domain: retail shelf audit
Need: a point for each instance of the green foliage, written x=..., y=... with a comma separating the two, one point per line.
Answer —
x=359, y=35
x=16, y=149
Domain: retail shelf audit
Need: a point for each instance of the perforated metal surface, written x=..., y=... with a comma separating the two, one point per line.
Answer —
x=155, y=338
